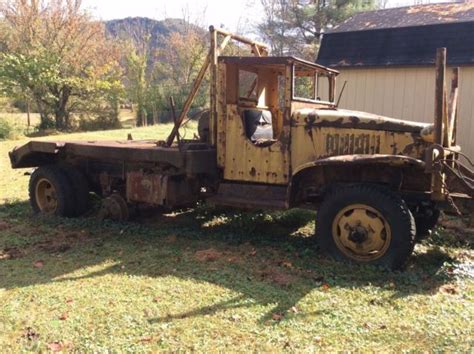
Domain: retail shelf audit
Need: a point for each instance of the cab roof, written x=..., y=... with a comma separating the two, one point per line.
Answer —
x=273, y=61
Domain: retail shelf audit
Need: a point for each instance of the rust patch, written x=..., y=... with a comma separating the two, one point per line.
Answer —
x=146, y=188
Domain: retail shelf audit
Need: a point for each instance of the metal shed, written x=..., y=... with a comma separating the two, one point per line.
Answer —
x=387, y=58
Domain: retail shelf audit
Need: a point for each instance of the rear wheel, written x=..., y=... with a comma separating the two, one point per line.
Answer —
x=50, y=192
x=366, y=224
x=426, y=221
x=80, y=187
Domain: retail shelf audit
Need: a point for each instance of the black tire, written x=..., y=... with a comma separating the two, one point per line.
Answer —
x=64, y=194
x=80, y=187
x=426, y=222
x=390, y=210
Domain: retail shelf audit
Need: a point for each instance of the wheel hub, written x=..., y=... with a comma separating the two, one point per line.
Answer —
x=115, y=208
x=358, y=234
x=361, y=232
x=46, y=197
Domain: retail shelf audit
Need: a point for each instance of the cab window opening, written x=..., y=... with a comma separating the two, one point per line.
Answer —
x=310, y=84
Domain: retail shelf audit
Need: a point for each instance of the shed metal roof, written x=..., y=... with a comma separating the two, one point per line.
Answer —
x=417, y=15
x=391, y=42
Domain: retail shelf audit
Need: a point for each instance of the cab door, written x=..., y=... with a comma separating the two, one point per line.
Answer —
x=253, y=142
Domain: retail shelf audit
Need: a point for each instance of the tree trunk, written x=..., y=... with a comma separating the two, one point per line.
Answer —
x=61, y=113
x=44, y=119
x=28, y=118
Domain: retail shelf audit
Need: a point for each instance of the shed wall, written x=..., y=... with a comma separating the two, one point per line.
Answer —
x=407, y=93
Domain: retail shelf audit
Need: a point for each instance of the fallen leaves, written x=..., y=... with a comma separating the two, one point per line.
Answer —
x=294, y=309
x=209, y=255
x=278, y=277
x=325, y=287
x=450, y=289
x=370, y=326
x=235, y=318
x=11, y=253
x=286, y=264
x=4, y=225
x=52, y=247
x=171, y=239
x=55, y=347
x=277, y=316
x=30, y=334
x=318, y=339
x=39, y=264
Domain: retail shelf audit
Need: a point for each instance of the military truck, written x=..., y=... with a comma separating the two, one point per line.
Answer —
x=274, y=138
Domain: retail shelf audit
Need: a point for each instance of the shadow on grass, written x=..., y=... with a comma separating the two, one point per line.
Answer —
x=265, y=258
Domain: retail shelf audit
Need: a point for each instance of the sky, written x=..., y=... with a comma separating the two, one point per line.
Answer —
x=234, y=15
x=231, y=15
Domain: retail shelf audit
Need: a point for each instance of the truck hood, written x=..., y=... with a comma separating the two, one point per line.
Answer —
x=341, y=118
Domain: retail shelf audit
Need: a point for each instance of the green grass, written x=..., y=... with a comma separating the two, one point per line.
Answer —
x=212, y=280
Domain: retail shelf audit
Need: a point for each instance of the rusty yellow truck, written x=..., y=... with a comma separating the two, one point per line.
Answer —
x=274, y=138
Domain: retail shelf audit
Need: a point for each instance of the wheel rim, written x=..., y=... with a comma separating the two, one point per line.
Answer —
x=361, y=232
x=46, y=197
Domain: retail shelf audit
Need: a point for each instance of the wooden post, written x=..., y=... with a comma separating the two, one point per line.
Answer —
x=196, y=85
x=453, y=107
x=173, y=112
x=440, y=95
x=437, y=179
x=213, y=72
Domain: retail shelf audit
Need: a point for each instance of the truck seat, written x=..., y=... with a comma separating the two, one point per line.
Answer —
x=258, y=126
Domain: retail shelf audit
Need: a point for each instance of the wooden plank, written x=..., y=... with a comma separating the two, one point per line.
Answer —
x=263, y=48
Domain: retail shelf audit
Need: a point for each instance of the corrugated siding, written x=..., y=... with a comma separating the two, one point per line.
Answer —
x=407, y=93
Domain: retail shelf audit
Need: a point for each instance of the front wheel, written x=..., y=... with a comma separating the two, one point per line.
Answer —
x=366, y=224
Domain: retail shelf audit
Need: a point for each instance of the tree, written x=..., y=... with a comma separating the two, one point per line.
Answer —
x=138, y=84
x=295, y=26
x=181, y=58
x=55, y=54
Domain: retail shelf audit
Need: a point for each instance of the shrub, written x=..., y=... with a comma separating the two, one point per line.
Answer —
x=102, y=122
x=8, y=129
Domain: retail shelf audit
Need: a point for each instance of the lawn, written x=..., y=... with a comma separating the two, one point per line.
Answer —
x=212, y=280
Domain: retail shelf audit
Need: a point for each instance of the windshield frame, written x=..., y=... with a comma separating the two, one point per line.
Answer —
x=317, y=71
